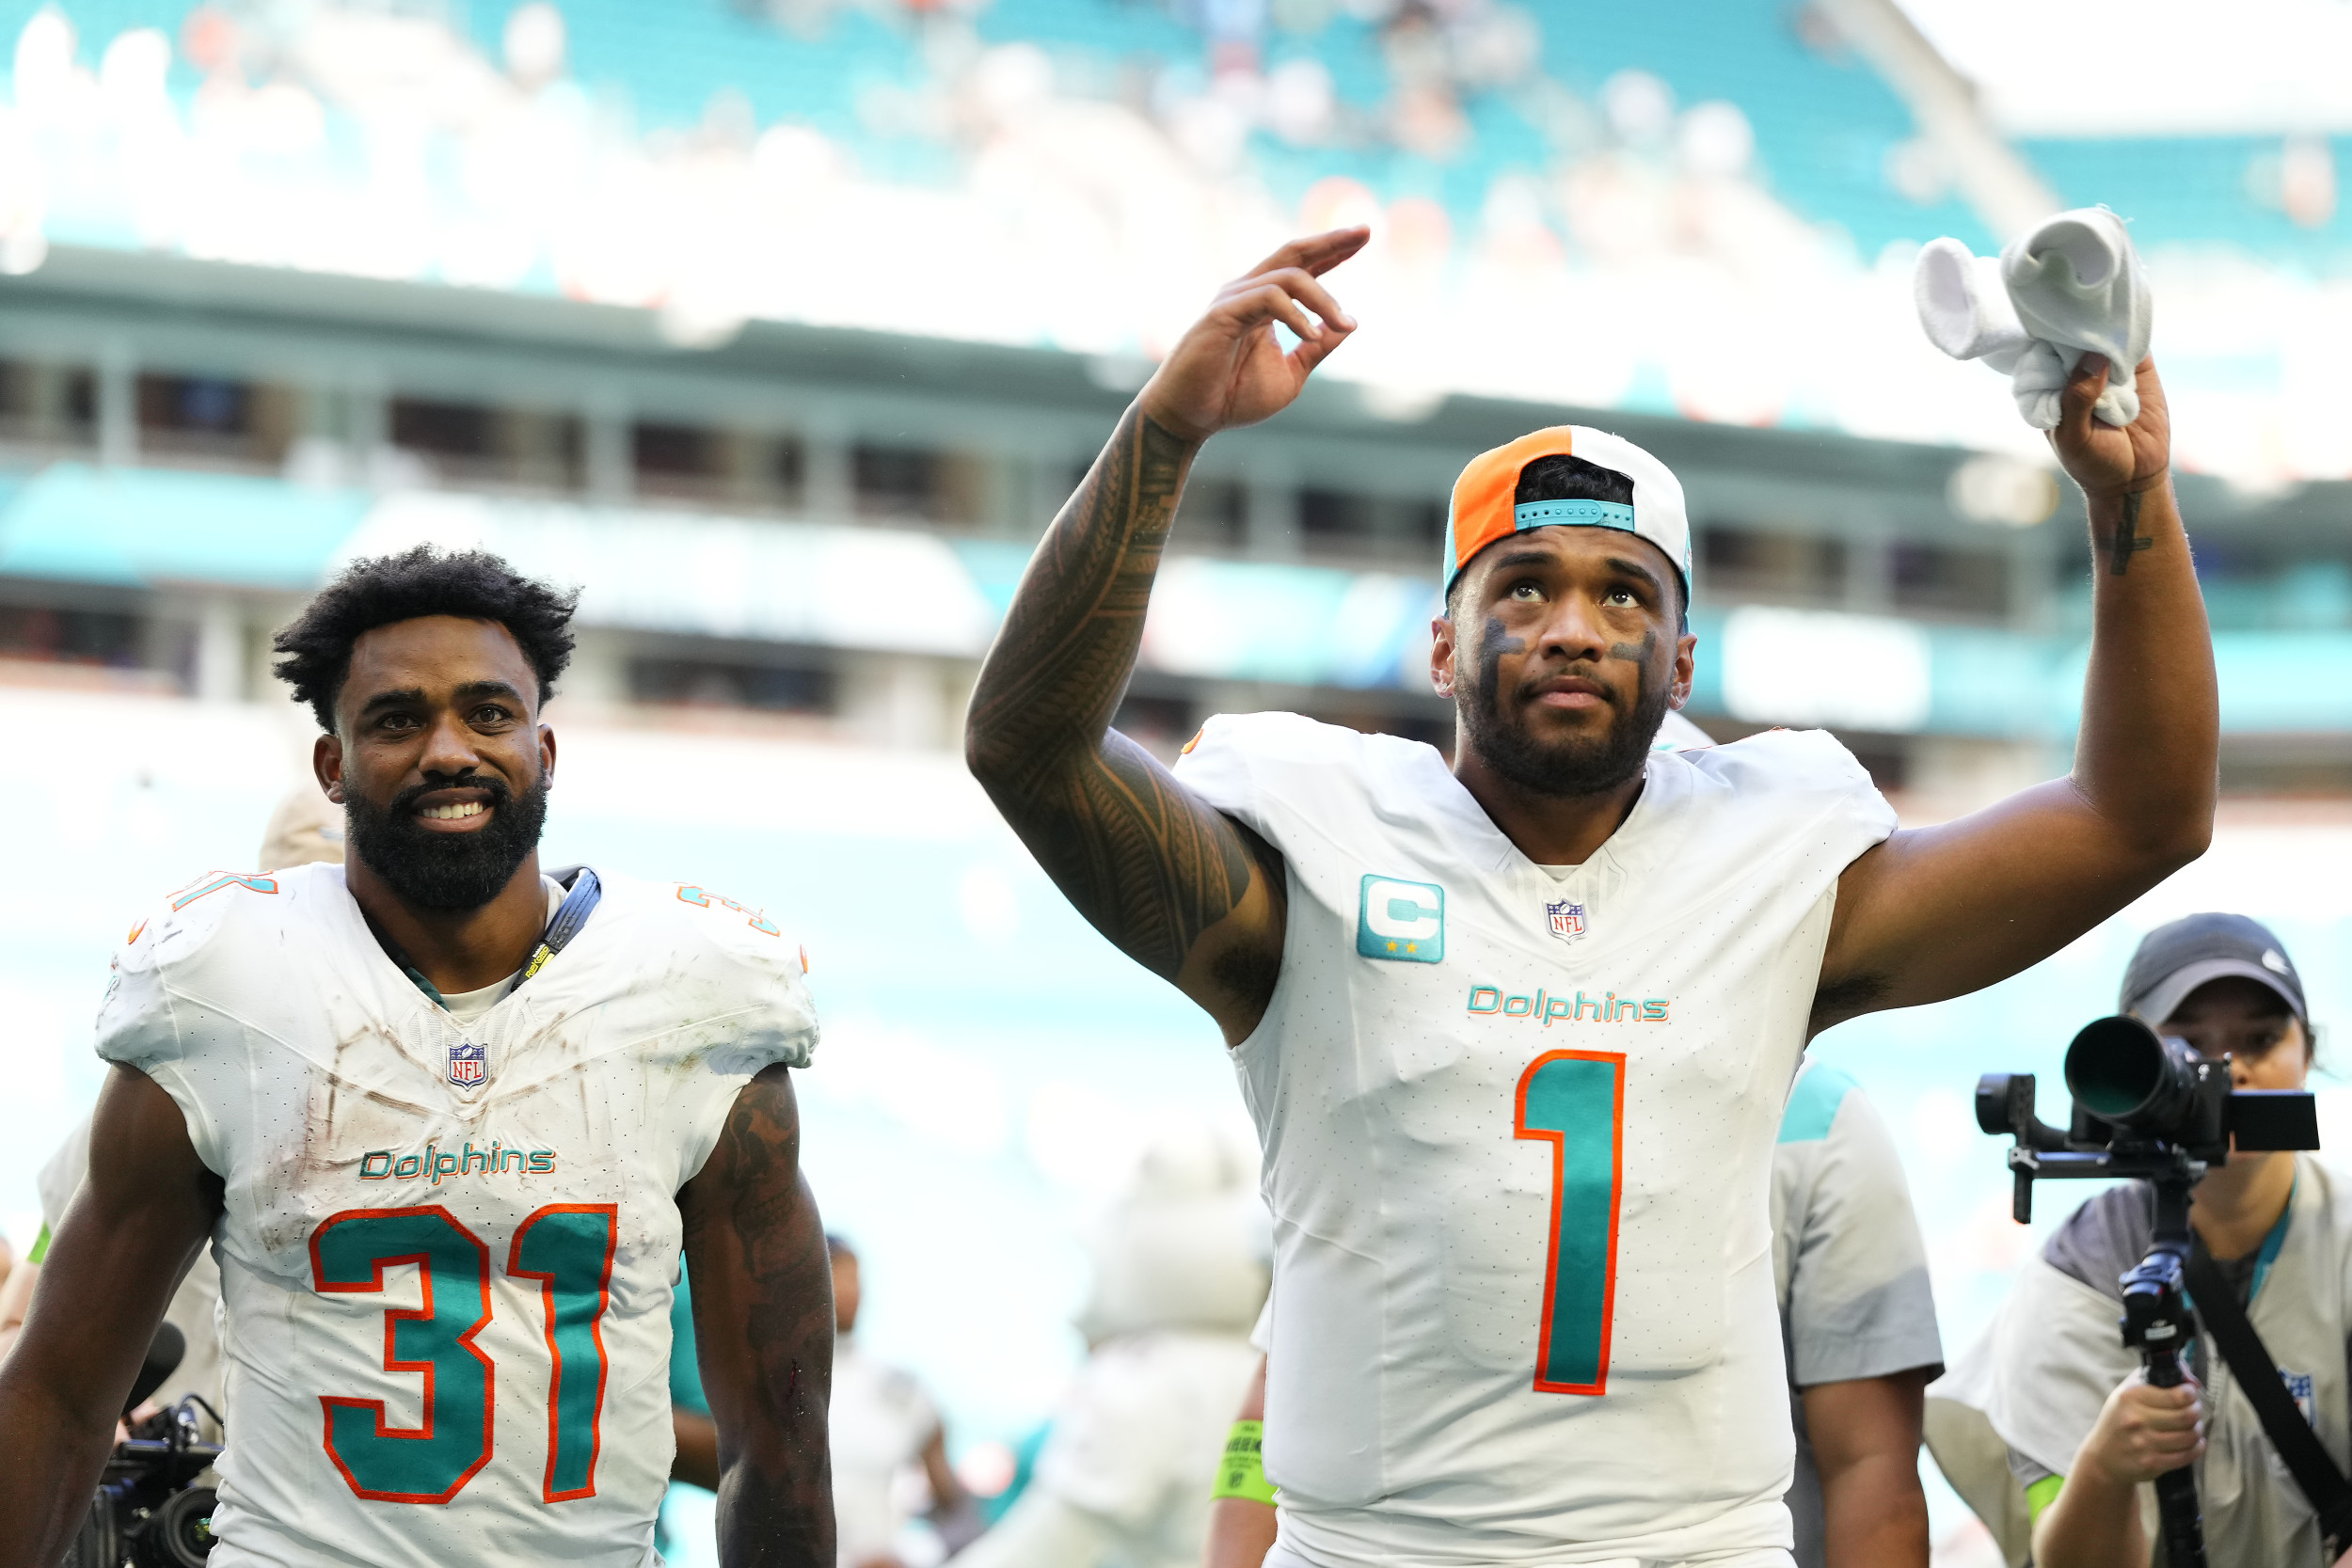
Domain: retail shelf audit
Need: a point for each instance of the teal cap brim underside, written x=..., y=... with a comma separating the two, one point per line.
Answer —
x=1591, y=514
x=1574, y=514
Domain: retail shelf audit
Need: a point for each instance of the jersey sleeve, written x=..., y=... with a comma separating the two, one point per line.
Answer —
x=1216, y=766
x=756, y=1014
x=1859, y=1303
x=144, y=1025
x=135, y=1027
x=1275, y=772
x=1821, y=795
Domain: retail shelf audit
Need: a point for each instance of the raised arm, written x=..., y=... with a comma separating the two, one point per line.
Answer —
x=1938, y=912
x=1181, y=888
x=129, y=1235
x=763, y=1332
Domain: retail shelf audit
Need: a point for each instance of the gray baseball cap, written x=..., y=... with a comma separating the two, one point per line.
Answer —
x=2175, y=959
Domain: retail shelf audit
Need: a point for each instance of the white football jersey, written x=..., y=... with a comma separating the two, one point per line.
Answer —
x=446, y=1251
x=1519, y=1133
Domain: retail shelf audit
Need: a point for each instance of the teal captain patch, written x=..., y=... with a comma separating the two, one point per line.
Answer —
x=1400, y=920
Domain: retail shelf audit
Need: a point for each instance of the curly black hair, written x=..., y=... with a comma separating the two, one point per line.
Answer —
x=418, y=582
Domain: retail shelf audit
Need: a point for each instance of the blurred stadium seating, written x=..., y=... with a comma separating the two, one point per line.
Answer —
x=663, y=298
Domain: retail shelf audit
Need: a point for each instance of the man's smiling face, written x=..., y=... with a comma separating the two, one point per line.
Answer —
x=439, y=758
x=1562, y=653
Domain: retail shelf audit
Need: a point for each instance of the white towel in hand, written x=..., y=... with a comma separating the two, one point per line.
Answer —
x=2070, y=286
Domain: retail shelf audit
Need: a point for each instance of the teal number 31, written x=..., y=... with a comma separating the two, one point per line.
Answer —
x=565, y=1248
x=1575, y=1099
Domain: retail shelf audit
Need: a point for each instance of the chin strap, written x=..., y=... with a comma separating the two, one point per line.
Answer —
x=577, y=905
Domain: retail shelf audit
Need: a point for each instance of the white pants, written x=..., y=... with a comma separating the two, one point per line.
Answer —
x=1771, y=1557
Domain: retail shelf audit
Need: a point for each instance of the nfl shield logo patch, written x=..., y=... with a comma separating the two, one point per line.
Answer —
x=468, y=1065
x=1568, y=920
x=2301, y=1386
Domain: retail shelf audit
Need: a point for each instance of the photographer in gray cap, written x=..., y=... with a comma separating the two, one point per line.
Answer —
x=2084, y=1433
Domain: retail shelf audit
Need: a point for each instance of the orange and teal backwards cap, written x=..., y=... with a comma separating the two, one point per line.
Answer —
x=1487, y=506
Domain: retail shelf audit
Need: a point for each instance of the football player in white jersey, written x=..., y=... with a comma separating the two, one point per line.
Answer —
x=1516, y=1032
x=448, y=1123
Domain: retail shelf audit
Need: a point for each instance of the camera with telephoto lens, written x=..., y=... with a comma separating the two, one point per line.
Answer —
x=148, y=1511
x=2139, y=1097
x=2147, y=1106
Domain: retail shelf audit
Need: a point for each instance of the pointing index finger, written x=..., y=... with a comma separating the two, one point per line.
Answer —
x=1317, y=253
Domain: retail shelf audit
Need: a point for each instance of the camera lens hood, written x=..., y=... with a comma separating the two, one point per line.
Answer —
x=2124, y=1072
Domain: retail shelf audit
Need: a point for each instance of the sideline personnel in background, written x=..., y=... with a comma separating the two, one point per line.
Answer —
x=884, y=1428
x=1179, y=1267
x=2084, y=1432
x=1516, y=1032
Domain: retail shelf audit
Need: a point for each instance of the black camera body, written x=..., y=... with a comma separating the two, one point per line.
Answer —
x=146, y=1514
x=2145, y=1104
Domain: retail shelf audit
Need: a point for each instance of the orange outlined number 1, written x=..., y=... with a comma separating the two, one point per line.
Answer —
x=1575, y=1099
x=568, y=1248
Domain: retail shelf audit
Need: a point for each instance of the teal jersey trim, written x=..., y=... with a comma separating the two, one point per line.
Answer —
x=1813, y=1105
x=1588, y=513
x=2270, y=1247
x=686, y=1373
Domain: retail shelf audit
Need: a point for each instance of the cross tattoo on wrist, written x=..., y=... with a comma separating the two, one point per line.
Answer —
x=2128, y=540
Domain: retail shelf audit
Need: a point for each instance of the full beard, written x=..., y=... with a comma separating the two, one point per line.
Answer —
x=449, y=871
x=1578, y=764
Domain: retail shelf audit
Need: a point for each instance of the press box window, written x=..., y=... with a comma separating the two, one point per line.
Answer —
x=475, y=442
x=701, y=462
x=725, y=684
x=212, y=416
x=70, y=636
x=48, y=403
x=1796, y=567
x=670, y=451
x=916, y=484
x=1210, y=512
x=460, y=430
x=1344, y=516
x=1933, y=577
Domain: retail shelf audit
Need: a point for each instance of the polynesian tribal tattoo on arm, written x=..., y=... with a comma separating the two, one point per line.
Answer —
x=773, y=1387
x=2128, y=540
x=1148, y=863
